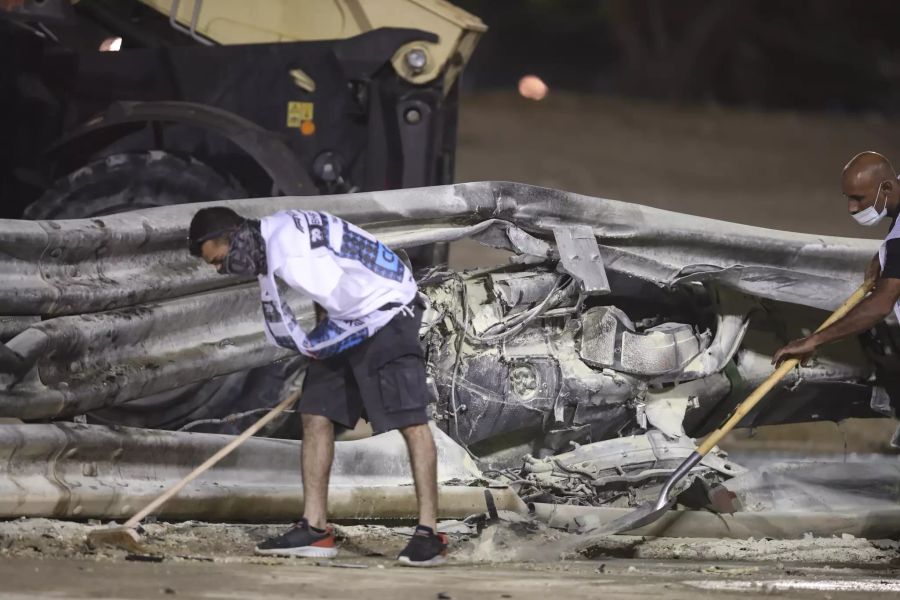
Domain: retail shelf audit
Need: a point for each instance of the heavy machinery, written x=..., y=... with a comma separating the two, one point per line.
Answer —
x=116, y=105
x=113, y=105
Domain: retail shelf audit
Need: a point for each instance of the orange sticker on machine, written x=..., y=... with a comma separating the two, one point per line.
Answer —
x=297, y=112
x=307, y=128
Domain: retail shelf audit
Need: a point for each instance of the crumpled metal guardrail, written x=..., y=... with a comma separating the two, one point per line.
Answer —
x=77, y=363
x=86, y=362
x=127, y=312
x=90, y=471
x=55, y=268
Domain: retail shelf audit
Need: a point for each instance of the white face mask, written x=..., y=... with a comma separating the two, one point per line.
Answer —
x=870, y=216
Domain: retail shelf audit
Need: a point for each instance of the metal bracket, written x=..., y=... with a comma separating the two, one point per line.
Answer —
x=195, y=16
x=579, y=256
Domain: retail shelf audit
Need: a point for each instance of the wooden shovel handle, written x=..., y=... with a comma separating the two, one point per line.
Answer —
x=165, y=496
x=785, y=368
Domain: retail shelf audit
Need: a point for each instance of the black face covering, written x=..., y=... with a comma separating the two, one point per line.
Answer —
x=246, y=252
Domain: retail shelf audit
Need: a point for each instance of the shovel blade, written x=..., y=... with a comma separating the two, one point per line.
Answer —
x=643, y=515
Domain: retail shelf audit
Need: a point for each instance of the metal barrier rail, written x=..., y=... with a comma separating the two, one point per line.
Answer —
x=73, y=364
x=142, y=316
x=85, y=362
x=88, y=471
x=53, y=268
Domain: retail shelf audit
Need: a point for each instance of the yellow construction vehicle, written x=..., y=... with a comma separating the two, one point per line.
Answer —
x=112, y=105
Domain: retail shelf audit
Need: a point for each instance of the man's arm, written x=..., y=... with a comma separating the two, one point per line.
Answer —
x=866, y=315
x=873, y=272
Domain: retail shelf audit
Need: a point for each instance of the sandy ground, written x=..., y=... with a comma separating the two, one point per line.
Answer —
x=499, y=543
x=614, y=579
x=51, y=559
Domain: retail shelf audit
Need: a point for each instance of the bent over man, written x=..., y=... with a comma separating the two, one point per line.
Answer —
x=366, y=357
x=872, y=189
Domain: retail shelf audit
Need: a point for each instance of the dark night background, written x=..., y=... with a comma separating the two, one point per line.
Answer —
x=835, y=55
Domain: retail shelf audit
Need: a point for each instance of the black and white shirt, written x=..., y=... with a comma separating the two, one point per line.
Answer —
x=361, y=282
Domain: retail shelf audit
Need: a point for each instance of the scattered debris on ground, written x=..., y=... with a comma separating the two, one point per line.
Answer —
x=370, y=545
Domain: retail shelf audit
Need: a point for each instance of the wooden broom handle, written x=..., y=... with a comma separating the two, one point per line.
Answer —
x=165, y=496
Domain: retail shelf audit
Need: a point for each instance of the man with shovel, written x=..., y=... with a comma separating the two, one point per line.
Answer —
x=365, y=354
x=872, y=189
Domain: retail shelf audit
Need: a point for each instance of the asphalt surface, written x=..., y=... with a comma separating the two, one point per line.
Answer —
x=368, y=578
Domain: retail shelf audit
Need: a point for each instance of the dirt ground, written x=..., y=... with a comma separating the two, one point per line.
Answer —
x=779, y=170
x=41, y=558
x=52, y=579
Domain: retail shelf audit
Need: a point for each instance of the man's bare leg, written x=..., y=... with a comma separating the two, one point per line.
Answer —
x=316, y=455
x=423, y=458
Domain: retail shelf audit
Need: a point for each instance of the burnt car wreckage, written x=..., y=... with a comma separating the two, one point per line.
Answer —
x=575, y=376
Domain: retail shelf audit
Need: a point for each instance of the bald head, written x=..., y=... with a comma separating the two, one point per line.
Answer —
x=867, y=178
x=868, y=168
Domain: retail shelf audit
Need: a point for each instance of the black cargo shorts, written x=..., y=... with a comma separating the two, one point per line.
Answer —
x=382, y=379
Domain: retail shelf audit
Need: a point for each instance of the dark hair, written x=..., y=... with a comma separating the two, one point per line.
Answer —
x=211, y=223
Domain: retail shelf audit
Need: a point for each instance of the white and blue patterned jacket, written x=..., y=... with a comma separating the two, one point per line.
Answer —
x=343, y=268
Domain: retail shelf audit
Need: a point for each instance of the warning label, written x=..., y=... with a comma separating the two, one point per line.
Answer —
x=297, y=112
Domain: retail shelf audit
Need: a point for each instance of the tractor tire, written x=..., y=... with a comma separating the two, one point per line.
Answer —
x=131, y=181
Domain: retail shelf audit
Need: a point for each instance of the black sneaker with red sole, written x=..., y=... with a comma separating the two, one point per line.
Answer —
x=301, y=540
x=425, y=549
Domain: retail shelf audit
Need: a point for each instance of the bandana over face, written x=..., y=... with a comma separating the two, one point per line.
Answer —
x=246, y=255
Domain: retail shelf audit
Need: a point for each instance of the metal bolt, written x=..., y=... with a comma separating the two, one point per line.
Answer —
x=416, y=59
x=412, y=116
